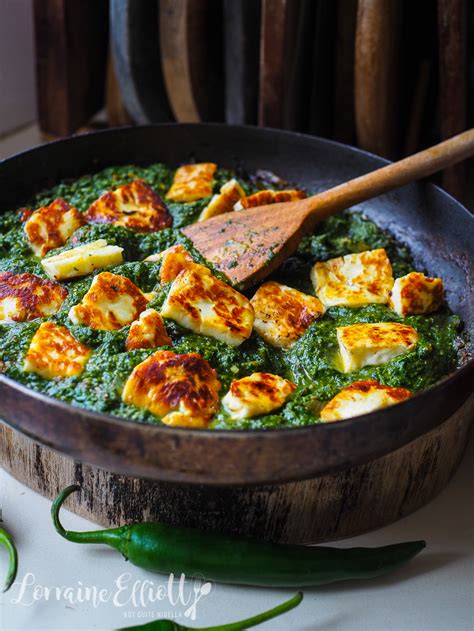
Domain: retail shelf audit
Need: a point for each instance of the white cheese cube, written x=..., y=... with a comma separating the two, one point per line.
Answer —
x=257, y=394
x=353, y=280
x=373, y=344
x=178, y=389
x=415, y=293
x=54, y=353
x=112, y=302
x=204, y=304
x=82, y=260
x=282, y=314
x=362, y=397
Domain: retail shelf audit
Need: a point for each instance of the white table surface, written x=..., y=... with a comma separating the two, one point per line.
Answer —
x=435, y=591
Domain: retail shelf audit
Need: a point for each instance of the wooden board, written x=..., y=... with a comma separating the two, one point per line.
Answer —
x=117, y=114
x=377, y=75
x=452, y=84
x=277, y=46
x=344, y=118
x=322, y=80
x=136, y=52
x=192, y=58
x=71, y=54
x=330, y=507
x=242, y=46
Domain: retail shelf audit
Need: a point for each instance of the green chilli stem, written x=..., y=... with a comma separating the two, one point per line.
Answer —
x=7, y=541
x=168, y=625
x=115, y=537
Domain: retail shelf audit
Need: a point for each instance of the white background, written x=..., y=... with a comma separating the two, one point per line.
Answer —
x=435, y=591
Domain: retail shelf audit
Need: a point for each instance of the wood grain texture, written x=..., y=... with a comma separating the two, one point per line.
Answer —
x=242, y=47
x=376, y=75
x=277, y=47
x=452, y=83
x=117, y=114
x=71, y=54
x=344, y=116
x=192, y=58
x=330, y=507
x=136, y=51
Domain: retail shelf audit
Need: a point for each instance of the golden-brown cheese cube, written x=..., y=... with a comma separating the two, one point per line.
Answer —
x=148, y=331
x=282, y=314
x=353, y=280
x=262, y=198
x=135, y=206
x=173, y=261
x=178, y=389
x=82, y=260
x=415, y=293
x=362, y=397
x=51, y=226
x=199, y=301
x=192, y=182
x=260, y=393
x=373, y=344
x=27, y=296
x=112, y=302
x=230, y=193
x=55, y=352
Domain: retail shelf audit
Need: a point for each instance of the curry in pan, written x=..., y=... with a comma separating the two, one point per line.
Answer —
x=106, y=305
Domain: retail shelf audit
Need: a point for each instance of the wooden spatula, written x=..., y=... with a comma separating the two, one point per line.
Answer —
x=247, y=245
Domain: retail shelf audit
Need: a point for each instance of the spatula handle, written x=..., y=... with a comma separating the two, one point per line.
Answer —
x=391, y=176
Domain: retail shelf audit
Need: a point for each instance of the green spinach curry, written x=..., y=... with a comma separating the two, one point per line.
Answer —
x=308, y=363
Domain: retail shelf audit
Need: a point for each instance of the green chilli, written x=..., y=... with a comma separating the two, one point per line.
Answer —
x=168, y=549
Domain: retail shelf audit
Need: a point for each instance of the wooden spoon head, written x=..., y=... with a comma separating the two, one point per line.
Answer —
x=247, y=245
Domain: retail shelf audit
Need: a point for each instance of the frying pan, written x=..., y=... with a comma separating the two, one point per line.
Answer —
x=438, y=230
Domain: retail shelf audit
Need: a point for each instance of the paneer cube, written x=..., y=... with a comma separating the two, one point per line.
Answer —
x=27, y=296
x=82, y=260
x=148, y=331
x=353, y=280
x=192, y=182
x=51, y=226
x=179, y=389
x=112, y=302
x=173, y=261
x=415, y=293
x=135, y=206
x=204, y=304
x=282, y=314
x=257, y=394
x=230, y=193
x=55, y=353
x=362, y=397
x=373, y=344
x=262, y=198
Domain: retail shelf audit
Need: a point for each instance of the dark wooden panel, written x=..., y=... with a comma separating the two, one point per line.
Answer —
x=344, y=119
x=71, y=53
x=242, y=47
x=191, y=40
x=377, y=74
x=277, y=47
x=452, y=83
x=136, y=52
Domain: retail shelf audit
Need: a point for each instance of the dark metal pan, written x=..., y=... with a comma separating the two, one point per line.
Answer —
x=438, y=230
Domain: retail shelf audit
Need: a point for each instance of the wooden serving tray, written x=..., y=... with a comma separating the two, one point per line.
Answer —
x=329, y=507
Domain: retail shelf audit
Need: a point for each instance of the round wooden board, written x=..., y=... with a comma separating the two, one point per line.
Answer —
x=330, y=507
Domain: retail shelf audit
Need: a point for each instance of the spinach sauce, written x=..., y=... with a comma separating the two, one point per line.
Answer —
x=309, y=363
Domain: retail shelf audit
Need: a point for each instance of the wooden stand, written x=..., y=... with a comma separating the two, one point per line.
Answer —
x=330, y=507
